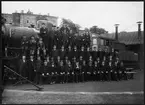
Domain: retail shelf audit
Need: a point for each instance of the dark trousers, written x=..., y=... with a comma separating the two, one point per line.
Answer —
x=66, y=77
x=72, y=77
x=37, y=78
x=115, y=76
x=101, y=76
x=45, y=79
x=97, y=76
x=82, y=77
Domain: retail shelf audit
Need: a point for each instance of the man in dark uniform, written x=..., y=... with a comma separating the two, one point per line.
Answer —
x=94, y=54
x=100, y=54
x=24, y=44
x=73, y=68
x=62, y=72
x=81, y=63
x=38, y=64
x=123, y=71
x=69, y=53
x=40, y=49
x=75, y=52
x=77, y=71
x=106, y=54
x=32, y=46
x=58, y=69
x=87, y=54
x=83, y=69
x=54, y=72
x=67, y=70
x=62, y=53
x=70, y=39
x=56, y=37
x=95, y=71
x=103, y=70
x=44, y=34
x=82, y=52
x=44, y=73
x=23, y=66
x=99, y=68
x=112, y=53
x=31, y=67
x=115, y=72
x=90, y=68
x=54, y=53
x=110, y=71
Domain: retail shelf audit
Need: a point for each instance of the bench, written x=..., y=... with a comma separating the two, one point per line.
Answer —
x=129, y=69
x=130, y=75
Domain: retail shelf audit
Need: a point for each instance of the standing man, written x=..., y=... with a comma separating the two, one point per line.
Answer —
x=24, y=44
x=43, y=34
x=32, y=46
x=23, y=66
x=31, y=68
x=38, y=65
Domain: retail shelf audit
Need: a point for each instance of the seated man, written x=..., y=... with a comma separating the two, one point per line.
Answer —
x=122, y=69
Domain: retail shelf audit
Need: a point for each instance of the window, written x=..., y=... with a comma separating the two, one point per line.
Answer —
x=94, y=41
x=107, y=43
x=102, y=42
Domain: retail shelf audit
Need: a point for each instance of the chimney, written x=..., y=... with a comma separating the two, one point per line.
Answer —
x=116, y=32
x=139, y=30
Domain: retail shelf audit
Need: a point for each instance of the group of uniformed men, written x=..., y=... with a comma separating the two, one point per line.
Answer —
x=68, y=62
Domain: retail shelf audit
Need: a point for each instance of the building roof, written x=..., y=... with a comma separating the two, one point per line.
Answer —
x=128, y=38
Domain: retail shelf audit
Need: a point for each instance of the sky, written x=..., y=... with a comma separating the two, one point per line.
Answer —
x=86, y=14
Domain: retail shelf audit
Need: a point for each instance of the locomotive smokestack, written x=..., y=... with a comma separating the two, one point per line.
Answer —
x=139, y=30
x=116, y=32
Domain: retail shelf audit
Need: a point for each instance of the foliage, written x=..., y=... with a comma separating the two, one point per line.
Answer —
x=74, y=27
x=97, y=30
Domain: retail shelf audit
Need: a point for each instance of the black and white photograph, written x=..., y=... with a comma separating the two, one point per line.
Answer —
x=72, y=52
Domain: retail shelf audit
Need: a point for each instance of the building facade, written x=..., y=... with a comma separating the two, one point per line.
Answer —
x=27, y=19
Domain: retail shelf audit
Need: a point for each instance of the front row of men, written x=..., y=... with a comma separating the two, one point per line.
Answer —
x=78, y=70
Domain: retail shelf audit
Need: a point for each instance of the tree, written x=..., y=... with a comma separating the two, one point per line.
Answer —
x=74, y=27
x=97, y=30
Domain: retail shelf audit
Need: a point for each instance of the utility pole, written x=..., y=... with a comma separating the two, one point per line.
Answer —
x=140, y=53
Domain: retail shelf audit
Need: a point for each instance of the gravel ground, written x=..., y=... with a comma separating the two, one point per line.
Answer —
x=135, y=85
x=74, y=99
